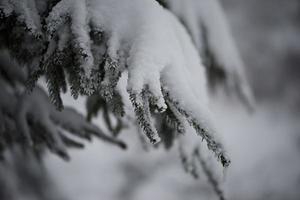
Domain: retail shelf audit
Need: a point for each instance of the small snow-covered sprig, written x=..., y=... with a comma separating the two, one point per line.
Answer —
x=111, y=77
x=75, y=15
x=203, y=130
x=142, y=110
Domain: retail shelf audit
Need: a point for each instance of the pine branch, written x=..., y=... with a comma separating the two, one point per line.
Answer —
x=140, y=103
x=89, y=46
x=210, y=175
x=55, y=78
x=203, y=131
x=111, y=78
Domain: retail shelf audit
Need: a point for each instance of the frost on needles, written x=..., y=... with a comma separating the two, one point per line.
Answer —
x=87, y=45
x=154, y=60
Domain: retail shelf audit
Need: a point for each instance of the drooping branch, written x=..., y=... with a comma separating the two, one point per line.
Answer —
x=90, y=44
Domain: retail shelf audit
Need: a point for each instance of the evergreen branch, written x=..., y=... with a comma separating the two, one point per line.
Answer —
x=210, y=175
x=55, y=79
x=203, y=131
x=111, y=78
x=75, y=123
x=140, y=103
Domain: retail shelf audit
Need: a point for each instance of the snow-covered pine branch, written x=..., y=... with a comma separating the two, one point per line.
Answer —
x=91, y=43
x=209, y=29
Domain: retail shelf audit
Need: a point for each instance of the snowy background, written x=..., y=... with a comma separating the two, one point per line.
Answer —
x=264, y=146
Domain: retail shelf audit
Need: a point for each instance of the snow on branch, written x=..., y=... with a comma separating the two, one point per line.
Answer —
x=89, y=44
x=209, y=29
